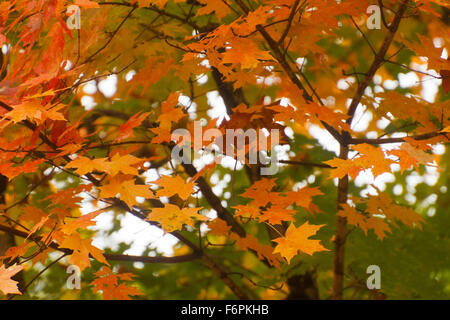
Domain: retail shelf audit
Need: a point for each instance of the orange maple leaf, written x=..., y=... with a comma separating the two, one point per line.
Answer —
x=372, y=158
x=82, y=249
x=82, y=222
x=344, y=167
x=169, y=112
x=297, y=239
x=174, y=185
x=85, y=165
x=126, y=129
x=409, y=156
x=111, y=287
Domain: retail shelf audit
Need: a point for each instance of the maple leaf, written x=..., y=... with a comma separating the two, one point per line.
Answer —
x=344, y=167
x=219, y=227
x=259, y=191
x=303, y=197
x=276, y=214
x=10, y=171
x=379, y=226
x=162, y=134
x=37, y=226
x=7, y=285
x=122, y=164
x=85, y=165
x=154, y=70
x=264, y=252
x=410, y=156
x=126, y=130
x=353, y=216
x=82, y=222
x=297, y=239
x=174, y=185
x=246, y=53
x=372, y=158
x=82, y=249
x=383, y=205
x=111, y=287
x=247, y=211
x=128, y=190
x=17, y=251
x=369, y=157
x=445, y=80
x=173, y=218
x=169, y=113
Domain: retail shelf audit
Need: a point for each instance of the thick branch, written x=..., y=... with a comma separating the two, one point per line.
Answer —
x=341, y=223
x=214, y=201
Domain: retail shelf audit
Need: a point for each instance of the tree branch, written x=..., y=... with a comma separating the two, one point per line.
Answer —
x=425, y=136
x=341, y=222
x=109, y=256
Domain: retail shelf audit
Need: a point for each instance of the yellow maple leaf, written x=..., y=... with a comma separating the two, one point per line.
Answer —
x=128, y=190
x=173, y=218
x=122, y=164
x=297, y=239
x=85, y=165
x=174, y=185
x=372, y=158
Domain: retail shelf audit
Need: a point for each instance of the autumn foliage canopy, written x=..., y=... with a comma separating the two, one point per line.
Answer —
x=353, y=105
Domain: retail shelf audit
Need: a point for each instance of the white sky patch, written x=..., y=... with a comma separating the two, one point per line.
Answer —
x=139, y=234
x=344, y=84
x=408, y=80
x=108, y=86
x=90, y=87
x=218, y=109
x=88, y=102
x=129, y=76
x=202, y=79
x=324, y=138
x=189, y=106
x=362, y=119
x=390, y=84
x=430, y=86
